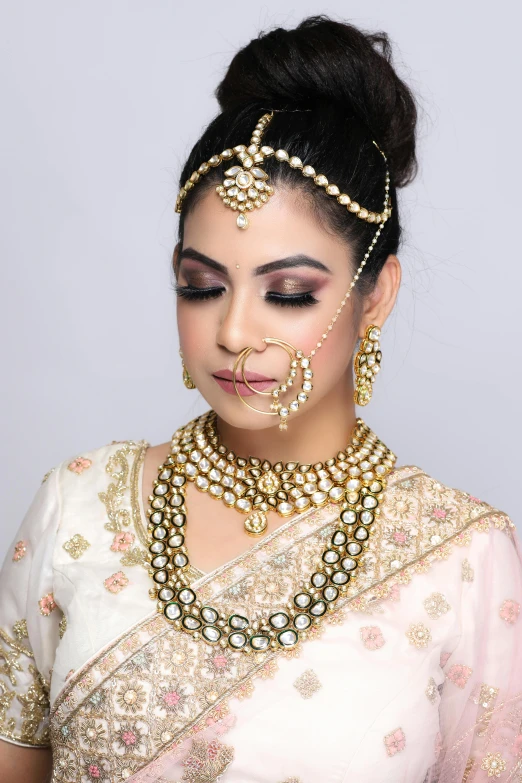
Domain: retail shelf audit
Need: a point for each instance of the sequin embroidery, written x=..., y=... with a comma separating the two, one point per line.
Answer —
x=493, y=764
x=76, y=546
x=116, y=582
x=47, y=604
x=307, y=684
x=395, y=742
x=79, y=464
x=459, y=674
x=20, y=550
x=418, y=635
x=509, y=611
x=436, y=605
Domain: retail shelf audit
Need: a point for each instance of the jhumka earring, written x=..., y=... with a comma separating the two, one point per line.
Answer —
x=245, y=188
x=367, y=363
x=187, y=380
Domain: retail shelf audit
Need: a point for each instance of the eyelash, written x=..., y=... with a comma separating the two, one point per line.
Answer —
x=201, y=294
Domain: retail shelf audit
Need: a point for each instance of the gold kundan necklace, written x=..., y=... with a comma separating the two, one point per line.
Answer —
x=355, y=479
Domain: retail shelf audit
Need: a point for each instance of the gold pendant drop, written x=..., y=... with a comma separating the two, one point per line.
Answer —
x=256, y=523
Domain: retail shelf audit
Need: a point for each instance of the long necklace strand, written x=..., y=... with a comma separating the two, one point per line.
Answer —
x=358, y=474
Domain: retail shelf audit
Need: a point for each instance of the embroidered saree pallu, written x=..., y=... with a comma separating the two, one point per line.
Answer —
x=415, y=675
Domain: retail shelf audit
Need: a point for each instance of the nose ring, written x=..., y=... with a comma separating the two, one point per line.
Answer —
x=298, y=361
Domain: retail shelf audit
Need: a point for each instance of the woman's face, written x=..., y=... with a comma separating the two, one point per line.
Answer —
x=283, y=277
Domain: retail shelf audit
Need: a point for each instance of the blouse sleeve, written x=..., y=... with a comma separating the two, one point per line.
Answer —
x=481, y=698
x=29, y=622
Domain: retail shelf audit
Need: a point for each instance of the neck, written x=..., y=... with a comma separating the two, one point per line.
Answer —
x=312, y=436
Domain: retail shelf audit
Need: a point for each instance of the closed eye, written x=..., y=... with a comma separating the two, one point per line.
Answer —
x=192, y=294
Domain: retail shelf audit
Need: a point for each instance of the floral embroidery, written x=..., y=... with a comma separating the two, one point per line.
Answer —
x=178, y=653
x=219, y=661
x=436, y=605
x=79, y=464
x=307, y=684
x=131, y=697
x=418, y=635
x=120, y=471
x=459, y=674
x=493, y=764
x=207, y=761
x=372, y=637
x=93, y=735
x=20, y=629
x=47, y=604
x=173, y=697
x=401, y=537
x=395, y=742
x=245, y=690
x=76, y=546
x=69, y=674
x=509, y=611
x=122, y=541
x=20, y=550
x=131, y=737
x=116, y=582
x=484, y=695
x=432, y=691
x=62, y=626
x=467, y=571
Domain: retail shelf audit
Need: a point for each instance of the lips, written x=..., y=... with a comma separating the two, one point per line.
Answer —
x=251, y=377
x=224, y=378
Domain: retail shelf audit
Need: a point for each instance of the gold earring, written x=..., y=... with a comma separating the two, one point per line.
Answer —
x=187, y=380
x=367, y=364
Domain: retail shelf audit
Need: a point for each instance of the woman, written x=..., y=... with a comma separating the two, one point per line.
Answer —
x=369, y=629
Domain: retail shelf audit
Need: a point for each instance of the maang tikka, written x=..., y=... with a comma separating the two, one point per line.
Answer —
x=246, y=188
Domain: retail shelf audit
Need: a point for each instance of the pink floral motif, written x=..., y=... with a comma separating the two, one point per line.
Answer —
x=122, y=541
x=20, y=550
x=129, y=738
x=171, y=698
x=509, y=611
x=474, y=499
x=220, y=661
x=79, y=464
x=517, y=746
x=444, y=658
x=372, y=637
x=439, y=513
x=47, y=604
x=459, y=674
x=395, y=742
x=94, y=771
x=116, y=582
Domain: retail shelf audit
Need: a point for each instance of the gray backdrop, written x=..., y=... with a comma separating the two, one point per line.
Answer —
x=102, y=101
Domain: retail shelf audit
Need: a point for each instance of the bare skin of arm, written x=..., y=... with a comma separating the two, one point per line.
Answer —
x=30, y=765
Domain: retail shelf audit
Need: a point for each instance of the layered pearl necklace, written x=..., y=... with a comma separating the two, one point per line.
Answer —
x=358, y=476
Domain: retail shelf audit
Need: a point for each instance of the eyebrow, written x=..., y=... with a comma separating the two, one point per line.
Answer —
x=299, y=259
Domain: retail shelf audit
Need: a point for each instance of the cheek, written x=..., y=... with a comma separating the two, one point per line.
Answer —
x=194, y=331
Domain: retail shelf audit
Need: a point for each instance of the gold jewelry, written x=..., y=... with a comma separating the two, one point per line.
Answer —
x=253, y=486
x=359, y=494
x=187, y=380
x=246, y=187
x=367, y=364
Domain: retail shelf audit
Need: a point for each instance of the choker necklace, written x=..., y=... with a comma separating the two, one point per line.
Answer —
x=359, y=494
x=254, y=486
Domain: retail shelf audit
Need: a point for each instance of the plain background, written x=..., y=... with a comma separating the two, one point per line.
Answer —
x=101, y=102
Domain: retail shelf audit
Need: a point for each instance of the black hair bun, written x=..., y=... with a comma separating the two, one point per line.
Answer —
x=321, y=63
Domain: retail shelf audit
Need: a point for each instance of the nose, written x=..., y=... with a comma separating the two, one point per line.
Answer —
x=240, y=327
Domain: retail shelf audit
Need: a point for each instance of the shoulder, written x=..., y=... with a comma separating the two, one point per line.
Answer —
x=420, y=510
